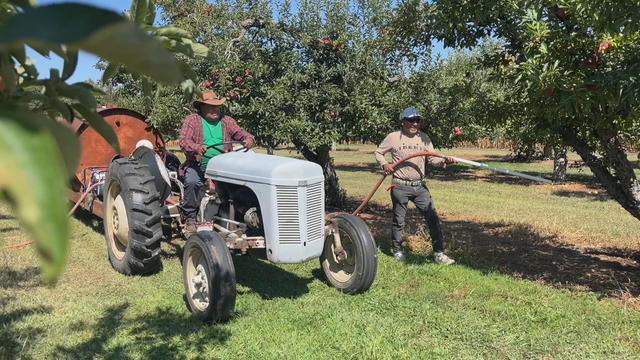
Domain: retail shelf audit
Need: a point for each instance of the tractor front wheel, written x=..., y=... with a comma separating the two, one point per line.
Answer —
x=132, y=215
x=349, y=258
x=209, y=277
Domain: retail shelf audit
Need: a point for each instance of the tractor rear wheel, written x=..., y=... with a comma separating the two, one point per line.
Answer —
x=349, y=258
x=209, y=277
x=132, y=214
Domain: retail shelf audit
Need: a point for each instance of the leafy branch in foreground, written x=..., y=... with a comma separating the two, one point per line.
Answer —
x=37, y=152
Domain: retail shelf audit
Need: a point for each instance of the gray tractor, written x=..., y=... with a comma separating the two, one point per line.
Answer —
x=249, y=201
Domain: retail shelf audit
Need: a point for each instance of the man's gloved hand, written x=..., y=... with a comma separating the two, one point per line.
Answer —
x=388, y=169
x=248, y=142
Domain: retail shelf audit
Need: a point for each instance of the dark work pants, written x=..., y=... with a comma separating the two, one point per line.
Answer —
x=400, y=197
x=193, y=178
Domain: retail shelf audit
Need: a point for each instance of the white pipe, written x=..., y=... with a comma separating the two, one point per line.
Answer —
x=503, y=170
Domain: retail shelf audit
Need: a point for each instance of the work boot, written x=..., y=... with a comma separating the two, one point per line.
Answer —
x=400, y=255
x=442, y=258
x=190, y=227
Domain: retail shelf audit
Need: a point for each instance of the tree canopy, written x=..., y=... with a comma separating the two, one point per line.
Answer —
x=575, y=64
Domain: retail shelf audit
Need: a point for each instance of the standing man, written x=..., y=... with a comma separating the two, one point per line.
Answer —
x=199, y=130
x=408, y=182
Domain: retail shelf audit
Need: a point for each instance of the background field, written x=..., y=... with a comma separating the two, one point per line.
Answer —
x=544, y=271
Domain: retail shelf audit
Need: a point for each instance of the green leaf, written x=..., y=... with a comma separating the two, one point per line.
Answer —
x=78, y=93
x=147, y=87
x=172, y=32
x=188, y=70
x=62, y=108
x=95, y=91
x=188, y=88
x=98, y=124
x=23, y=3
x=41, y=49
x=138, y=11
x=19, y=53
x=29, y=68
x=28, y=97
x=102, y=32
x=151, y=14
x=70, y=64
x=111, y=70
x=32, y=174
x=8, y=73
x=199, y=50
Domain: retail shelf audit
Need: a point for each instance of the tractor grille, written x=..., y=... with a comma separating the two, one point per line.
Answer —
x=288, y=215
x=315, y=216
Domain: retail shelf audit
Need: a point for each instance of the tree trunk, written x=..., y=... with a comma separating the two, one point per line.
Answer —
x=612, y=169
x=547, y=152
x=560, y=163
x=270, y=150
x=334, y=194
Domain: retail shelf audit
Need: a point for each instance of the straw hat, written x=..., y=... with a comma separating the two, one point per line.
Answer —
x=209, y=97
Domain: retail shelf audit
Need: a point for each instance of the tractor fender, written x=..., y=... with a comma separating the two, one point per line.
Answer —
x=144, y=154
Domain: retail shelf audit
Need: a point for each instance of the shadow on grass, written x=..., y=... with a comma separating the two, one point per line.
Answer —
x=347, y=149
x=13, y=339
x=598, y=196
x=19, y=279
x=520, y=251
x=268, y=280
x=6, y=217
x=517, y=250
x=150, y=336
x=89, y=219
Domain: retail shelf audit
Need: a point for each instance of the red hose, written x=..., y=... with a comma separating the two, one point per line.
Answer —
x=393, y=166
x=73, y=209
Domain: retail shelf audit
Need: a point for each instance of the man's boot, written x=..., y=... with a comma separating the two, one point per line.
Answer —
x=190, y=228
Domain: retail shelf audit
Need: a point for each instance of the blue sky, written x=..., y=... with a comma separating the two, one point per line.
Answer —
x=86, y=62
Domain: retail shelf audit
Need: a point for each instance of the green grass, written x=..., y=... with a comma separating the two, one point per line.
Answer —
x=579, y=209
x=485, y=307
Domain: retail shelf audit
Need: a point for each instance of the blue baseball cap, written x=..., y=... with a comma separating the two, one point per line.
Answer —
x=410, y=112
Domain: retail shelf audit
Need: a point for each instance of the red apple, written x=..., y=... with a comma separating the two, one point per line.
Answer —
x=232, y=94
x=238, y=80
x=457, y=131
x=247, y=73
x=206, y=83
x=602, y=47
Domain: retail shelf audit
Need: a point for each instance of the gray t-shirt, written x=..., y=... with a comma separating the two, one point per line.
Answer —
x=400, y=145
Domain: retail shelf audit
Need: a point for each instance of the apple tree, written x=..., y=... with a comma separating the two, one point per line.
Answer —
x=308, y=76
x=576, y=63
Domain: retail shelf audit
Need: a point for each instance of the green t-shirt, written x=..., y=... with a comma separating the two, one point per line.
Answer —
x=212, y=133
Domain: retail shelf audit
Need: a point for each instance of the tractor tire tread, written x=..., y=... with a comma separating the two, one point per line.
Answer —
x=144, y=214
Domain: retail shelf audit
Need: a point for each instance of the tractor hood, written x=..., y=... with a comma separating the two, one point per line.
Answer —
x=261, y=168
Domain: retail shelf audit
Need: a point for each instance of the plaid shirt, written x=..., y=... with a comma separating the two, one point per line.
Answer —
x=191, y=135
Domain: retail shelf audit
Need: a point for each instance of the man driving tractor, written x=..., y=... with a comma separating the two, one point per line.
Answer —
x=206, y=127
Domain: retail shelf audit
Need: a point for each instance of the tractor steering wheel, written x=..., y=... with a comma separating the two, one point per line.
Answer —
x=216, y=146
